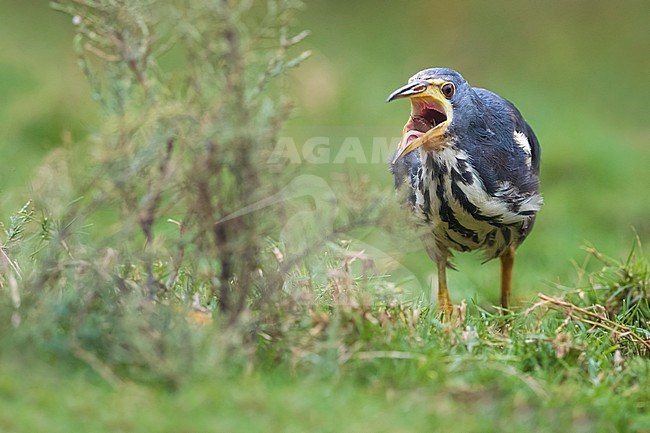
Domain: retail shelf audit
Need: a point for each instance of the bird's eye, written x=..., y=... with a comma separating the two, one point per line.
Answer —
x=448, y=90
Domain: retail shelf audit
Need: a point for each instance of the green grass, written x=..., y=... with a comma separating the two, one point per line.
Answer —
x=296, y=404
x=358, y=360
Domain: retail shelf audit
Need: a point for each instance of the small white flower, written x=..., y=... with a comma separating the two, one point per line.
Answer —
x=76, y=20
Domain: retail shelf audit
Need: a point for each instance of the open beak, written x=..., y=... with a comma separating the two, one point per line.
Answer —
x=431, y=114
x=411, y=89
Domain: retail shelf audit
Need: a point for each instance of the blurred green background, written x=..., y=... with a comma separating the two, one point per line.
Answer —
x=578, y=71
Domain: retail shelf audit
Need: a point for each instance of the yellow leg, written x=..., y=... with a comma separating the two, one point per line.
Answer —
x=444, y=302
x=507, y=262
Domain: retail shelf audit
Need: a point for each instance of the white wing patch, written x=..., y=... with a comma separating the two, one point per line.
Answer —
x=522, y=142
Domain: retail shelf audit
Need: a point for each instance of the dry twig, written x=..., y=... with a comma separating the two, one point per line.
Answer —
x=583, y=315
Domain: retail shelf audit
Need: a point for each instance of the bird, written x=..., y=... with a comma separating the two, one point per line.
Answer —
x=470, y=165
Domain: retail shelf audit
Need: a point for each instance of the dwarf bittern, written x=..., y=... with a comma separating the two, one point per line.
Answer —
x=474, y=180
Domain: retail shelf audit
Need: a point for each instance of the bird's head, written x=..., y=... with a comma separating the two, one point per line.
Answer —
x=439, y=97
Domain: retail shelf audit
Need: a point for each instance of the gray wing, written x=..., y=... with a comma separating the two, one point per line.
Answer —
x=511, y=152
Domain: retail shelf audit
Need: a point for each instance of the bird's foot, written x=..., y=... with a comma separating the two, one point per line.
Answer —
x=445, y=311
